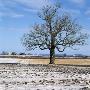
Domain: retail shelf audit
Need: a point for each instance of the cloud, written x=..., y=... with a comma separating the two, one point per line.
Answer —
x=87, y=12
x=17, y=8
x=72, y=12
x=0, y=19
x=10, y=14
x=30, y=10
x=80, y=2
x=36, y=4
x=14, y=15
x=30, y=4
x=1, y=14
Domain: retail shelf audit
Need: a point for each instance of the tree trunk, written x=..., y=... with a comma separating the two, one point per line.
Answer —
x=52, y=56
x=52, y=48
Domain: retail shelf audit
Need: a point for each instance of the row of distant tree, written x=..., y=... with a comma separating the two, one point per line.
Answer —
x=12, y=53
x=65, y=55
x=57, y=55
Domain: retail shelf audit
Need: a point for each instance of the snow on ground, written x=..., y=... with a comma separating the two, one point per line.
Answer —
x=43, y=77
x=8, y=60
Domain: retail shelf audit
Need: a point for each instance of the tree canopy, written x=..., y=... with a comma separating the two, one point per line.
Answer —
x=56, y=32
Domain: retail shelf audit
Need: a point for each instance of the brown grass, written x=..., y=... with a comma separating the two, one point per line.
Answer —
x=57, y=61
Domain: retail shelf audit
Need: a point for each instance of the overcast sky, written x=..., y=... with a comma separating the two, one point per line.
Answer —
x=18, y=17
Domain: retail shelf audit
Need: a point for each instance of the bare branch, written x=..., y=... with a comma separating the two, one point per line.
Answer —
x=57, y=31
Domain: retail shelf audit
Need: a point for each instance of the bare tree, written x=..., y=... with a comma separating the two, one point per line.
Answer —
x=56, y=32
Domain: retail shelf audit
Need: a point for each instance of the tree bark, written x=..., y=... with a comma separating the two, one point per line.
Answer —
x=52, y=56
x=52, y=50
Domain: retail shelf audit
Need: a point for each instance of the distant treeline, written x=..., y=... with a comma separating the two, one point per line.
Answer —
x=13, y=53
x=42, y=57
x=24, y=55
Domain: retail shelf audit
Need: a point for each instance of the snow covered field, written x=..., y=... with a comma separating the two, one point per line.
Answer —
x=43, y=77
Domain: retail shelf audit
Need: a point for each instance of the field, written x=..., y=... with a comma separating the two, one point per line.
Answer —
x=57, y=61
x=37, y=74
x=43, y=60
x=69, y=61
x=43, y=77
